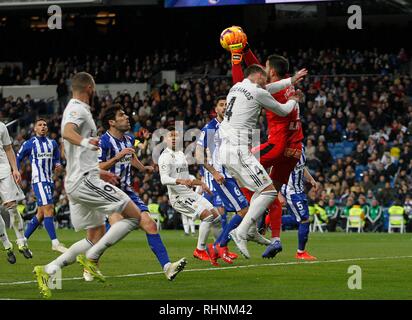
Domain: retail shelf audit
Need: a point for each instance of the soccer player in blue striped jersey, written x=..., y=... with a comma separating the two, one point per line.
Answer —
x=117, y=155
x=44, y=157
x=294, y=196
x=224, y=185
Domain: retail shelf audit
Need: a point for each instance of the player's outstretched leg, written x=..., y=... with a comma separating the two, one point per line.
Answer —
x=303, y=235
x=275, y=215
x=259, y=203
x=11, y=258
x=18, y=226
x=171, y=269
x=117, y=232
x=43, y=273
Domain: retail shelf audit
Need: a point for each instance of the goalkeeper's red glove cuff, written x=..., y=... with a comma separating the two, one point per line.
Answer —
x=236, y=58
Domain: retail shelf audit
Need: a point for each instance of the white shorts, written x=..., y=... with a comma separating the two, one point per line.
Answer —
x=245, y=168
x=92, y=200
x=9, y=190
x=191, y=205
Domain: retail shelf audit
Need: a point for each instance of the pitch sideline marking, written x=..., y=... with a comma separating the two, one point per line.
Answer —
x=225, y=268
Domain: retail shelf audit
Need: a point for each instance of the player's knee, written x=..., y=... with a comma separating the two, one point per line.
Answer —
x=243, y=212
x=270, y=187
x=148, y=224
x=207, y=216
x=48, y=211
x=10, y=205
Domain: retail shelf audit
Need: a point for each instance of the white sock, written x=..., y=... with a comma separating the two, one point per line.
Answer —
x=258, y=205
x=204, y=230
x=185, y=222
x=166, y=266
x=216, y=227
x=116, y=233
x=192, y=225
x=275, y=239
x=17, y=222
x=55, y=242
x=69, y=256
x=3, y=235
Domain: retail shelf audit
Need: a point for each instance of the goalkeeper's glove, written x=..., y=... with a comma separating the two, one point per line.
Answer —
x=237, y=47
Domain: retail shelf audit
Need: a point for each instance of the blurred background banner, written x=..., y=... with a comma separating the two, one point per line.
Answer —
x=204, y=3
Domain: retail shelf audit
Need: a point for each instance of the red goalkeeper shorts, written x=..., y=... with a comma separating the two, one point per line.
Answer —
x=281, y=157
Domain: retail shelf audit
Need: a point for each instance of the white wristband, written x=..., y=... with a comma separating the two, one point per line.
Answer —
x=85, y=143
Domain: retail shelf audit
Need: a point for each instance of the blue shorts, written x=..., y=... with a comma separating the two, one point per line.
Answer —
x=298, y=205
x=44, y=193
x=136, y=199
x=232, y=198
x=214, y=199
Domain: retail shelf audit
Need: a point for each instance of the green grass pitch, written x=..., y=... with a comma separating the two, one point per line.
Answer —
x=134, y=273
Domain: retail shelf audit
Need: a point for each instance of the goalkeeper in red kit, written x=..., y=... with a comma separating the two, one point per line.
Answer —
x=283, y=148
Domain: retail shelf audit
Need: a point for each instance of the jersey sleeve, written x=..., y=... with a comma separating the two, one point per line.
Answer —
x=277, y=86
x=4, y=135
x=165, y=170
x=104, y=149
x=56, y=154
x=23, y=152
x=268, y=102
x=76, y=115
x=202, y=140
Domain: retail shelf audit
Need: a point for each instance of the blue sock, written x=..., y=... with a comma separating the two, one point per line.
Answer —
x=223, y=220
x=224, y=236
x=49, y=225
x=107, y=225
x=156, y=244
x=31, y=227
x=303, y=235
x=289, y=221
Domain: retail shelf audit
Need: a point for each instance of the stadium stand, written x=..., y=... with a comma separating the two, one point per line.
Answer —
x=357, y=114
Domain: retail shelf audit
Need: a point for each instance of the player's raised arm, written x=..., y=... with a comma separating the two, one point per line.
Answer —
x=268, y=102
x=277, y=86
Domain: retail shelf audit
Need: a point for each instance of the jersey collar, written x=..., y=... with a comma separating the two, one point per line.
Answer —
x=82, y=103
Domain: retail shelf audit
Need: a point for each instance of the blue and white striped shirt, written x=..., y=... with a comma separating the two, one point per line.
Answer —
x=211, y=140
x=109, y=147
x=44, y=156
x=296, y=183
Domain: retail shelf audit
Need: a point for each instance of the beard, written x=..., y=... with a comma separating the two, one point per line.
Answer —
x=91, y=99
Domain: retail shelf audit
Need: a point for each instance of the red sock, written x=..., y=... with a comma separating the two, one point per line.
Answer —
x=247, y=193
x=275, y=214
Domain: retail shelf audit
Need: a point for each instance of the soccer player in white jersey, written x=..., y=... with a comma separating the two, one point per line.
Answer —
x=10, y=193
x=90, y=196
x=174, y=173
x=223, y=185
x=245, y=101
x=117, y=154
x=44, y=157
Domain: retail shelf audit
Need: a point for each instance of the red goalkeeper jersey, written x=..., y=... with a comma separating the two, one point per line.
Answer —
x=288, y=128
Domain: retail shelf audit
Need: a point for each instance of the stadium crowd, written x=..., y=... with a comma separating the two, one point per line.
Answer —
x=357, y=118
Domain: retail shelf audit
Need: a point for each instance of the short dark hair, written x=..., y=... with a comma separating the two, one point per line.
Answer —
x=279, y=63
x=40, y=119
x=219, y=98
x=110, y=114
x=171, y=128
x=81, y=80
x=254, y=68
